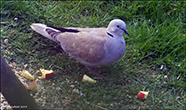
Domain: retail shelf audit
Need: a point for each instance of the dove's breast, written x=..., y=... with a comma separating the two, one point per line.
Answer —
x=115, y=51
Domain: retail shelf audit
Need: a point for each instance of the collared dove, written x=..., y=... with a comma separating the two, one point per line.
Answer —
x=92, y=47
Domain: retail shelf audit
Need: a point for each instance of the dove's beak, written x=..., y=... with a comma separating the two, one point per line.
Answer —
x=126, y=32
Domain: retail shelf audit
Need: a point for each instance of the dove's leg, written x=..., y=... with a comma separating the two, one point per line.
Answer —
x=94, y=72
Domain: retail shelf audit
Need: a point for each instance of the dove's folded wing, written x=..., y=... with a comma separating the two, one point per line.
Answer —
x=83, y=46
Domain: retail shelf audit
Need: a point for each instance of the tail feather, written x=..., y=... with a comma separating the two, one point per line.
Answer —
x=42, y=29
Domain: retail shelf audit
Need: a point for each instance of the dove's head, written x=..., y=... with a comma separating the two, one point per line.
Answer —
x=117, y=27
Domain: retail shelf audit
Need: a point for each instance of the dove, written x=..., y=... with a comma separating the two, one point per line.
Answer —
x=92, y=47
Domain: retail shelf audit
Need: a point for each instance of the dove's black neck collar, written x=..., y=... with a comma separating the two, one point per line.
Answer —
x=110, y=34
x=64, y=29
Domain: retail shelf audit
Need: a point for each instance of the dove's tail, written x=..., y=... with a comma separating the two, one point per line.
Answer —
x=46, y=31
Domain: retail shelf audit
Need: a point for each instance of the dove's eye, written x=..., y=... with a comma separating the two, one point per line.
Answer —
x=118, y=26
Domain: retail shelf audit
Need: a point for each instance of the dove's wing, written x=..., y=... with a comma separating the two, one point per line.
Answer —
x=85, y=46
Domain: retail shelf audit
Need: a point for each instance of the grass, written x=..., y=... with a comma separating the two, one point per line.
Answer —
x=157, y=37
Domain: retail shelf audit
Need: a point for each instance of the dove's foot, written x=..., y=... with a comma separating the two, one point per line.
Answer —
x=94, y=72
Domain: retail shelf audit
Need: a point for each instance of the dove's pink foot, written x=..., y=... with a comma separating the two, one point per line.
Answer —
x=94, y=72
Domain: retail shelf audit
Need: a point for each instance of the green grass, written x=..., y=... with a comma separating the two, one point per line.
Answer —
x=157, y=37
